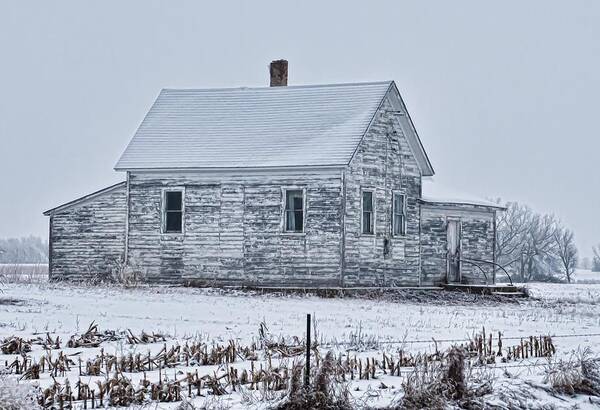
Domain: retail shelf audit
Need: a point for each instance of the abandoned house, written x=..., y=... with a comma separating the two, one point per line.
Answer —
x=317, y=185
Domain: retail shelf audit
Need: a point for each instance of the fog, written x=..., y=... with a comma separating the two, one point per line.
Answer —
x=504, y=96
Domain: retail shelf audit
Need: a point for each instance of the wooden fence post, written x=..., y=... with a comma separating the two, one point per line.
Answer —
x=307, y=372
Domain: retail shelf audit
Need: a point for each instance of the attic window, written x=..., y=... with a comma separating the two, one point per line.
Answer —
x=294, y=210
x=399, y=214
x=173, y=212
x=368, y=220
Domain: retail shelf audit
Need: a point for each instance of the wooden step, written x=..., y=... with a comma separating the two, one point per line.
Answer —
x=515, y=294
x=485, y=289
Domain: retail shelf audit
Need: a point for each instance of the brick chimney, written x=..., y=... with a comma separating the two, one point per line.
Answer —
x=279, y=73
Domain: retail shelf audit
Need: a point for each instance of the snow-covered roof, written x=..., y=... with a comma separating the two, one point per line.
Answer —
x=84, y=198
x=317, y=125
x=443, y=194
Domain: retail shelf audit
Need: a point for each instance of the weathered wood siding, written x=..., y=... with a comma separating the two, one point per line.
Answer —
x=383, y=163
x=233, y=224
x=233, y=229
x=87, y=240
x=477, y=241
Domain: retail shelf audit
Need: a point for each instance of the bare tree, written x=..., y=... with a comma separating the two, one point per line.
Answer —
x=539, y=247
x=596, y=260
x=585, y=263
x=23, y=250
x=525, y=242
x=566, y=251
x=511, y=231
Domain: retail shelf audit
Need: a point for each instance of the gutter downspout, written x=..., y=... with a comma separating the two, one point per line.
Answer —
x=420, y=205
x=494, y=251
x=343, y=231
x=50, y=247
x=126, y=256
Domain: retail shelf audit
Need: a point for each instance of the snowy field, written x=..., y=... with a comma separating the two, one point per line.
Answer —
x=586, y=276
x=24, y=272
x=409, y=322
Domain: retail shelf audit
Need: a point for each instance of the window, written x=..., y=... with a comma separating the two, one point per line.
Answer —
x=294, y=210
x=399, y=215
x=368, y=221
x=173, y=212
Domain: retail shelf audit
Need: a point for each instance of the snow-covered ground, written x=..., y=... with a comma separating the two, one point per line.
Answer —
x=586, y=276
x=559, y=310
x=224, y=315
x=24, y=272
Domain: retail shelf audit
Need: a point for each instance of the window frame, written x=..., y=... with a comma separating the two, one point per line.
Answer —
x=373, y=211
x=404, y=212
x=163, y=211
x=284, y=212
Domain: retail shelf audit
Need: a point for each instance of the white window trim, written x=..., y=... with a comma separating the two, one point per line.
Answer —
x=374, y=199
x=404, y=227
x=163, y=210
x=284, y=190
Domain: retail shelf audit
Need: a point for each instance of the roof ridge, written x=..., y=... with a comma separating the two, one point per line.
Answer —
x=242, y=88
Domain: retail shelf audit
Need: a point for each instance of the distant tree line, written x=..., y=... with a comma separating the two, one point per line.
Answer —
x=534, y=246
x=30, y=249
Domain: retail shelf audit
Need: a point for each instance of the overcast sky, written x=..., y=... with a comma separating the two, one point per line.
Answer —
x=504, y=96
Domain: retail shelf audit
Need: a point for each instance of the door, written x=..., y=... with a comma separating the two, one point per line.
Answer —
x=453, y=236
